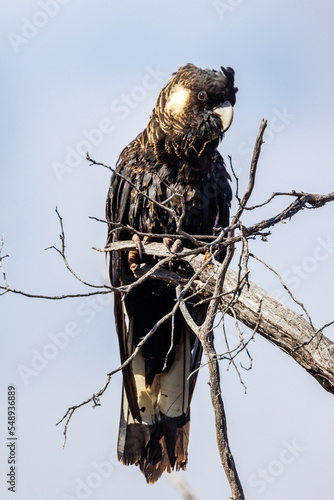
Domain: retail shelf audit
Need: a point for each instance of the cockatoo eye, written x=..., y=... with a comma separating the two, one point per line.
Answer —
x=202, y=95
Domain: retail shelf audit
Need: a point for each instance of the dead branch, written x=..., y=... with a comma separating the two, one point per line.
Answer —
x=303, y=200
x=252, y=173
x=181, y=485
x=62, y=253
x=223, y=289
x=205, y=335
x=96, y=396
x=285, y=328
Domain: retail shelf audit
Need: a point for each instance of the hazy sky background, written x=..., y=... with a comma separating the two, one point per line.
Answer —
x=84, y=76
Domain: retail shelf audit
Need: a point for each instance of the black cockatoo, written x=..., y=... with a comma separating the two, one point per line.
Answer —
x=177, y=152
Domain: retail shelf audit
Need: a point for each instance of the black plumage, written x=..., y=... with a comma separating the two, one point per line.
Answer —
x=176, y=153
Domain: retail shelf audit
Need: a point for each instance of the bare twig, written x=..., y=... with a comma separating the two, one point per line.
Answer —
x=62, y=253
x=277, y=322
x=223, y=290
x=206, y=338
x=6, y=288
x=307, y=200
x=181, y=485
x=284, y=286
x=313, y=336
x=236, y=181
x=252, y=173
x=142, y=193
x=54, y=297
x=229, y=352
x=96, y=397
x=69, y=414
x=313, y=200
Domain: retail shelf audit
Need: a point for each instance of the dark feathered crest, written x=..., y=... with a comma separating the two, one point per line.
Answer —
x=183, y=124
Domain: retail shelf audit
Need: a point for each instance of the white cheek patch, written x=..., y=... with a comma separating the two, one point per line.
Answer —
x=178, y=100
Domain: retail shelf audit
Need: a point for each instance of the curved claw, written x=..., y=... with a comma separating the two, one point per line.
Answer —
x=133, y=260
x=207, y=256
x=134, y=256
x=173, y=246
x=139, y=246
x=168, y=242
x=177, y=246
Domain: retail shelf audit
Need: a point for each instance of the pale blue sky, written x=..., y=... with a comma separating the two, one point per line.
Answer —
x=70, y=68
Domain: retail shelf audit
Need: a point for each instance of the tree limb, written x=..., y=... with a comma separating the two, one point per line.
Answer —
x=285, y=328
x=223, y=289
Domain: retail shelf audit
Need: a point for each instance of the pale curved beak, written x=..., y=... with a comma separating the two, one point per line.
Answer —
x=225, y=113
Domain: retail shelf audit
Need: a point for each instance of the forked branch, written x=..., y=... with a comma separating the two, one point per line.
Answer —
x=223, y=289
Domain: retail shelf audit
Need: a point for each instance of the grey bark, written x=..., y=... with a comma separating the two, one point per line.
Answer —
x=258, y=310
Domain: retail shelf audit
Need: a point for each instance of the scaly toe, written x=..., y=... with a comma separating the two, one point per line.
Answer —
x=177, y=246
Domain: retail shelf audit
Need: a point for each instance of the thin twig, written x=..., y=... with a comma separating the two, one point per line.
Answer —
x=231, y=359
x=7, y=289
x=62, y=253
x=284, y=286
x=56, y=297
x=142, y=193
x=252, y=173
x=307, y=342
x=236, y=181
x=96, y=397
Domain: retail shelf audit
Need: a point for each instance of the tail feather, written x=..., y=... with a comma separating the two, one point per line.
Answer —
x=159, y=441
x=157, y=384
x=132, y=437
x=155, y=448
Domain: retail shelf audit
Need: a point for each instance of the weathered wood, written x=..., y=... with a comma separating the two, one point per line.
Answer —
x=292, y=333
x=276, y=322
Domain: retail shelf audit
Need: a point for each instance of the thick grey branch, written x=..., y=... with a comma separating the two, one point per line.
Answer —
x=278, y=323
